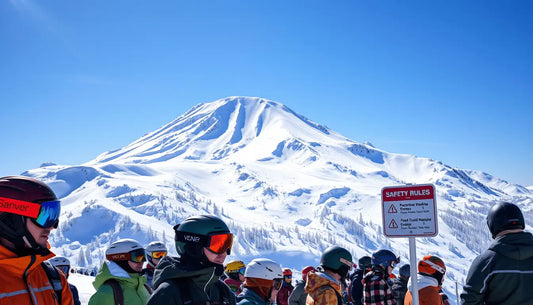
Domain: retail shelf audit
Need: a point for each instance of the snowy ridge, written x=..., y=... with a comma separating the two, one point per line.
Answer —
x=288, y=188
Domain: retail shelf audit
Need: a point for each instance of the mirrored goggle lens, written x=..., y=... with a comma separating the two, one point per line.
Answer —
x=137, y=256
x=159, y=254
x=242, y=270
x=45, y=215
x=220, y=243
x=277, y=284
x=288, y=276
x=49, y=214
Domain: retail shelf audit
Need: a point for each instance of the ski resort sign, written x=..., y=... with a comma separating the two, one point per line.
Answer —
x=409, y=211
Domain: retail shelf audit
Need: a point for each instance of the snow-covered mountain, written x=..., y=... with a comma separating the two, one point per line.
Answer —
x=287, y=186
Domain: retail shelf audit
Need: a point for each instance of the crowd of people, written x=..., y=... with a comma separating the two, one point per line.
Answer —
x=136, y=275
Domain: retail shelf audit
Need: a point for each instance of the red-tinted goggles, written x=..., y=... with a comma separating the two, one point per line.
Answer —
x=136, y=256
x=217, y=242
x=44, y=214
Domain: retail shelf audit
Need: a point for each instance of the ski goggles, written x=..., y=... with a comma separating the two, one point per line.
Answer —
x=64, y=268
x=277, y=283
x=44, y=214
x=136, y=256
x=159, y=254
x=242, y=270
x=217, y=243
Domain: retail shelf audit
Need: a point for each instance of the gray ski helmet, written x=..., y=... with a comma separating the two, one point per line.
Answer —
x=200, y=227
x=405, y=270
x=338, y=260
x=504, y=216
x=365, y=262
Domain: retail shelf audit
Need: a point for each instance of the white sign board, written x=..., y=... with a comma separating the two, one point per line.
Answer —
x=409, y=211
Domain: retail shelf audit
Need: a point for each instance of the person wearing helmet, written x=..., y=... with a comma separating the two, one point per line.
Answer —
x=286, y=288
x=120, y=276
x=63, y=264
x=324, y=287
x=155, y=251
x=262, y=281
x=502, y=274
x=376, y=282
x=203, y=243
x=29, y=211
x=298, y=295
x=234, y=271
x=431, y=270
x=356, y=280
x=399, y=284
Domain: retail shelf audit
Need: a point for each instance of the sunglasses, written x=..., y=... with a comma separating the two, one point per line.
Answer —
x=217, y=243
x=288, y=276
x=44, y=215
x=136, y=256
x=277, y=283
x=159, y=254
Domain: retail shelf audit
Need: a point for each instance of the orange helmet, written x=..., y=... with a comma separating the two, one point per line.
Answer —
x=431, y=264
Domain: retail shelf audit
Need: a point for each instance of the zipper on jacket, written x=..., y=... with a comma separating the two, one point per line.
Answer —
x=25, y=279
x=209, y=281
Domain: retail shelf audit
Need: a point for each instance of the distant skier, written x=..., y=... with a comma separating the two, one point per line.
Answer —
x=376, y=282
x=503, y=274
x=155, y=251
x=298, y=294
x=399, y=284
x=234, y=271
x=431, y=271
x=262, y=281
x=286, y=288
x=63, y=264
x=356, y=280
x=324, y=286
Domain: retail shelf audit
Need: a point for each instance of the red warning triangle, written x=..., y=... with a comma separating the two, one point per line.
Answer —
x=392, y=209
x=393, y=224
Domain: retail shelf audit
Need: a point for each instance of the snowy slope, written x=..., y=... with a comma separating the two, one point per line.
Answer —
x=287, y=186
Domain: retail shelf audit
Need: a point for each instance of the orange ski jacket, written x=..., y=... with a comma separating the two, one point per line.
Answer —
x=24, y=281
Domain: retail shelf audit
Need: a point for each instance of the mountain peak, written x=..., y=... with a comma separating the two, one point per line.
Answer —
x=212, y=130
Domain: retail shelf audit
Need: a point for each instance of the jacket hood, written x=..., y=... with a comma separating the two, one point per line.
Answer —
x=315, y=280
x=517, y=246
x=250, y=296
x=423, y=281
x=172, y=268
x=111, y=270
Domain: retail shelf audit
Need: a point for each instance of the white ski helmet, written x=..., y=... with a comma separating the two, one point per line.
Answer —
x=125, y=249
x=59, y=261
x=156, y=247
x=263, y=268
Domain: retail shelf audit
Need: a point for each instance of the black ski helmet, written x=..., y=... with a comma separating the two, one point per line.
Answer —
x=504, y=216
x=13, y=226
x=338, y=260
x=200, y=227
x=365, y=262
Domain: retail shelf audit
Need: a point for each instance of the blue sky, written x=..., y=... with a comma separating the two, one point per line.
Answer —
x=449, y=80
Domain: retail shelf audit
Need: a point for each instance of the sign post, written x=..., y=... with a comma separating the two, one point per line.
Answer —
x=410, y=211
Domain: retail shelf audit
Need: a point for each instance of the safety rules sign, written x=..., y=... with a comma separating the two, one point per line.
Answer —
x=409, y=211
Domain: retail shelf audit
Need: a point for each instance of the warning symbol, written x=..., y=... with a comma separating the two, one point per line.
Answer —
x=393, y=224
x=392, y=209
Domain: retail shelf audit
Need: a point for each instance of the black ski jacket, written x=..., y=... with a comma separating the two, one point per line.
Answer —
x=503, y=274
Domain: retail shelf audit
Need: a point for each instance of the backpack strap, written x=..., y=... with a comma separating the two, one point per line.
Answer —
x=55, y=279
x=339, y=297
x=118, y=294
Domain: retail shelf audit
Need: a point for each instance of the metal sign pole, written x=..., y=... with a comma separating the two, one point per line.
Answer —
x=413, y=262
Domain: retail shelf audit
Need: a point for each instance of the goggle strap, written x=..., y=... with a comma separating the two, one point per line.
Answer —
x=187, y=237
x=19, y=207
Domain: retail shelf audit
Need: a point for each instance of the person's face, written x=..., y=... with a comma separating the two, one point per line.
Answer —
x=155, y=261
x=215, y=258
x=241, y=277
x=39, y=234
x=136, y=266
x=288, y=279
x=389, y=269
